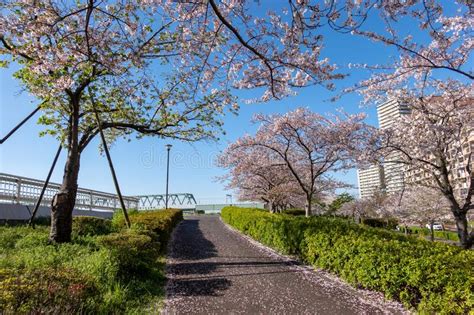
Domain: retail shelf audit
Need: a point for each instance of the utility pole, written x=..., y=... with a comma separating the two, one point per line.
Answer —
x=168, y=148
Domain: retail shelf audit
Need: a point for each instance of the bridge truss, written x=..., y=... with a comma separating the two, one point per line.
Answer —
x=179, y=201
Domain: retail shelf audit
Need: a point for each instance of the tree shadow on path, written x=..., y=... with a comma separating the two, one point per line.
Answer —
x=196, y=269
x=190, y=243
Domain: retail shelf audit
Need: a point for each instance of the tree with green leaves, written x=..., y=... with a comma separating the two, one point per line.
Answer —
x=337, y=203
x=86, y=58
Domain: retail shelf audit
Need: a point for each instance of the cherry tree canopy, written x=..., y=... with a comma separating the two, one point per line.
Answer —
x=163, y=68
x=255, y=176
x=434, y=76
x=434, y=59
x=419, y=206
x=309, y=145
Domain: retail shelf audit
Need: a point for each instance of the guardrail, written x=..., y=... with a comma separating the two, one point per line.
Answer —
x=23, y=190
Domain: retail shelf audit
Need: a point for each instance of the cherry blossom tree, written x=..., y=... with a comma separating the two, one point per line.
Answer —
x=358, y=209
x=420, y=206
x=310, y=146
x=440, y=49
x=435, y=144
x=256, y=177
x=162, y=68
x=85, y=58
x=433, y=75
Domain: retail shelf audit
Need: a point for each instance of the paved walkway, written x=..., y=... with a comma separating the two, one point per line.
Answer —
x=214, y=270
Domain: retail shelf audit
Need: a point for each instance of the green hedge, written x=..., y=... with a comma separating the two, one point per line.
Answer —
x=294, y=211
x=160, y=222
x=390, y=224
x=105, y=269
x=88, y=226
x=430, y=277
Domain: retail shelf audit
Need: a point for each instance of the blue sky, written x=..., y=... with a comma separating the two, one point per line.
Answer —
x=141, y=164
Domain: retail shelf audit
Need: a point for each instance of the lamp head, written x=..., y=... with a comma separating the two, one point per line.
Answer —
x=168, y=146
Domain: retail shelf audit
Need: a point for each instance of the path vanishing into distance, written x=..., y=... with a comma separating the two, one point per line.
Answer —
x=213, y=269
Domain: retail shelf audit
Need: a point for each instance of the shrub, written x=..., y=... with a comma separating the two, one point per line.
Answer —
x=87, y=226
x=132, y=252
x=112, y=273
x=160, y=222
x=10, y=236
x=294, y=211
x=52, y=291
x=431, y=277
x=390, y=224
x=200, y=212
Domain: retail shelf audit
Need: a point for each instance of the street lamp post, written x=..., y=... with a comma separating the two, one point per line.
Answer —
x=168, y=148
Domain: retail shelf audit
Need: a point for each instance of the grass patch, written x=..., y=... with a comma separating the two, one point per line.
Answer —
x=428, y=277
x=105, y=269
x=425, y=233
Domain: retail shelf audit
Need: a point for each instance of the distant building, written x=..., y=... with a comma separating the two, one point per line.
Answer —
x=388, y=113
x=370, y=181
x=391, y=176
x=388, y=177
x=459, y=153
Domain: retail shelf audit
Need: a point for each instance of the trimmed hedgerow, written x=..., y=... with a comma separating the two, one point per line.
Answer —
x=430, y=277
x=159, y=222
x=98, y=272
x=294, y=211
x=390, y=224
x=88, y=225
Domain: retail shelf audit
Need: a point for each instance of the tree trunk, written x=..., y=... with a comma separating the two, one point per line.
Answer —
x=308, y=207
x=465, y=238
x=271, y=207
x=63, y=202
x=431, y=231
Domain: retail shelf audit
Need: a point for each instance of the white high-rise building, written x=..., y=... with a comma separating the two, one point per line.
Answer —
x=388, y=113
x=370, y=181
x=389, y=177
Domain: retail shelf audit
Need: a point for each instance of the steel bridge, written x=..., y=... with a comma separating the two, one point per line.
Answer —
x=180, y=201
x=26, y=191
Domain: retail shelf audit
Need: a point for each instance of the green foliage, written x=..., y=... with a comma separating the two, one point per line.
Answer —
x=337, y=203
x=97, y=272
x=431, y=277
x=390, y=223
x=86, y=226
x=42, y=291
x=200, y=212
x=160, y=222
x=294, y=211
x=132, y=251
